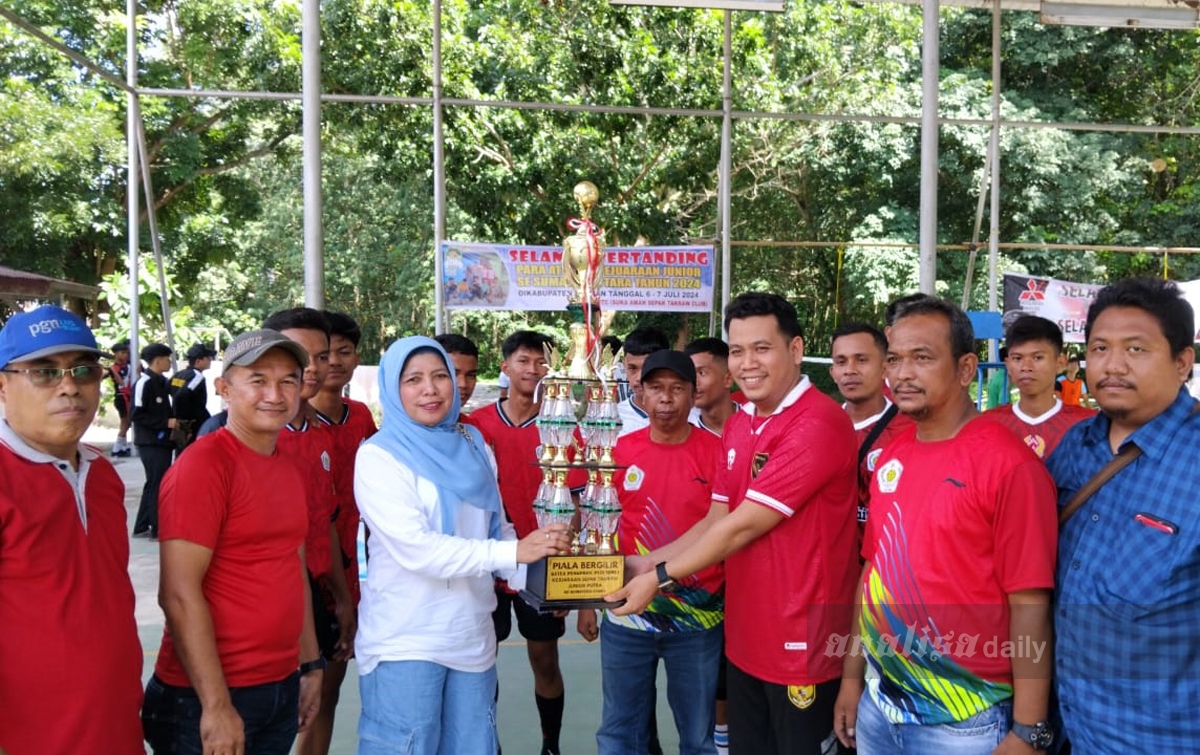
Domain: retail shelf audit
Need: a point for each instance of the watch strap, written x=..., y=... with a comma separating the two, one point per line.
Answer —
x=318, y=664
x=664, y=580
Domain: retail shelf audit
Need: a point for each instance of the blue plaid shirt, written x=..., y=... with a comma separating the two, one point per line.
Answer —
x=1127, y=609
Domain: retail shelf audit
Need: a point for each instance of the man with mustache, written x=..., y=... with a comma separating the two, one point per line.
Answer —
x=71, y=676
x=959, y=551
x=1127, y=658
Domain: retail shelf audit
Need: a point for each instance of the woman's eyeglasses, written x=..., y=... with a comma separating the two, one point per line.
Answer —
x=48, y=377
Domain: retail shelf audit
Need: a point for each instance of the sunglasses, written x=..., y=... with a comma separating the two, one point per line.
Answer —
x=48, y=377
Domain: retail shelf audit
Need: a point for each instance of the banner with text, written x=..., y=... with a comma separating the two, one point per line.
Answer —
x=643, y=278
x=1064, y=302
x=1067, y=303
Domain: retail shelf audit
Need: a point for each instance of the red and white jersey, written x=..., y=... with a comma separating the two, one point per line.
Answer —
x=1041, y=433
x=866, y=469
x=790, y=590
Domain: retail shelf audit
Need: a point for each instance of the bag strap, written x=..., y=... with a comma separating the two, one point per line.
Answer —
x=1126, y=456
x=876, y=431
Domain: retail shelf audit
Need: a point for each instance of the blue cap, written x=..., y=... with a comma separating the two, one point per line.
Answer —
x=43, y=332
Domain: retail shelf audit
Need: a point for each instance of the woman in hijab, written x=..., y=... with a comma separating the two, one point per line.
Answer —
x=426, y=487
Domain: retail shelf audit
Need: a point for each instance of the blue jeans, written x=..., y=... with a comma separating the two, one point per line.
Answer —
x=270, y=714
x=422, y=708
x=978, y=735
x=629, y=661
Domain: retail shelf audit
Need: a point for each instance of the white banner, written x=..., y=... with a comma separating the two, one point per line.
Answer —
x=511, y=276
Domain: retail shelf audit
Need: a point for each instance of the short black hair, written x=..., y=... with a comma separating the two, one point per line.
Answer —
x=708, y=345
x=453, y=343
x=644, y=341
x=962, y=335
x=1003, y=353
x=342, y=324
x=1032, y=328
x=762, y=304
x=856, y=327
x=893, y=309
x=525, y=339
x=298, y=318
x=1159, y=298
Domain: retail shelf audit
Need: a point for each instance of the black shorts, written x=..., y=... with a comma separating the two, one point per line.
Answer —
x=324, y=619
x=533, y=626
x=767, y=718
x=122, y=405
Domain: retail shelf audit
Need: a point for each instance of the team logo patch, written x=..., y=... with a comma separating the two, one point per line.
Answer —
x=888, y=476
x=177, y=382
x=1037, y=443
x=325, y=460
x=802, y=696
x=756, y=466
x=634, y=477
x=873, y=459
x=729, y=459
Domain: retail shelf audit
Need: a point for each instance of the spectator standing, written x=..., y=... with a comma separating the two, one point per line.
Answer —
x=1127, y=657
x=238, y=669
x=189, y=393
x=638, y=345
x=119, y=372
x=426, y=484
x=70, y=680
x=1072, y=384
x=959, y=551
x=465, y=356
x=153, y=420
x=713, y=404
x=665, y=489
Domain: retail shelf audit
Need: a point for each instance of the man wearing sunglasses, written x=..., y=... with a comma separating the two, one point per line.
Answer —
x=71, y=676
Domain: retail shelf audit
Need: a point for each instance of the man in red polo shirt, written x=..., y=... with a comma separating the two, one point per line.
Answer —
x=239, y=669
x=70, y=659
x=783, y=520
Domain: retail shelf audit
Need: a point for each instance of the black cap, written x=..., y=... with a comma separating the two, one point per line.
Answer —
x=199, y=351
x=154, y=351
x=667, y=359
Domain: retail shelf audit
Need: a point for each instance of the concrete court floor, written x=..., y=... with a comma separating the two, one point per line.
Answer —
x=518, y=721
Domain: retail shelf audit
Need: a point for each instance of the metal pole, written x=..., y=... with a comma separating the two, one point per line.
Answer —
x=310, y=98
x=929, y=145
x=725, y=191
x=994, y=148
x=439, y=175
x=155, y=241
x=131, y=145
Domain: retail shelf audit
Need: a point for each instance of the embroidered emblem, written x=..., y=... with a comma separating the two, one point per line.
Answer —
x=325, y=460
x=634, y=477
x=729, y=459
x=888, y=476
x=756, y=466
x=802, y=696
x=873, y=459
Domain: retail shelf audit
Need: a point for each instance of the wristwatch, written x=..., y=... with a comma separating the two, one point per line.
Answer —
x=1039, y=736
x=317, y=664
x=665, y=583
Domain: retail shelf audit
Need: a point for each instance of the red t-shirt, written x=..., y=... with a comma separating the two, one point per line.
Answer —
x=956, y=526
x=517, y=450
x=898, y=424
x=249, y=510
x=791, y=589
x=313, y=450
x=356, y=426
x=70, y=659
x=1043, y=433
x=664, y=490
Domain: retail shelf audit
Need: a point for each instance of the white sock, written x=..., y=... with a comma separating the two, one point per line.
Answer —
x=721, y=738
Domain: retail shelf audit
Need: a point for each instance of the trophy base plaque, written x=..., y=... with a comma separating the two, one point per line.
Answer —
x=567, y=583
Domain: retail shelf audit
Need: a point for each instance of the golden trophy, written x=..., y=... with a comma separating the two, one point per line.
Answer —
x=579, y=414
